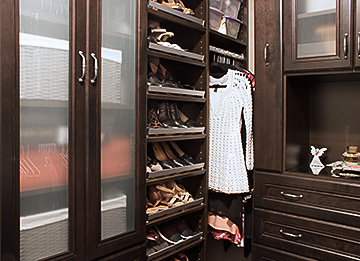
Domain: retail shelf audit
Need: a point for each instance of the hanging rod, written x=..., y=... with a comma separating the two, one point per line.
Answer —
x=236, y=56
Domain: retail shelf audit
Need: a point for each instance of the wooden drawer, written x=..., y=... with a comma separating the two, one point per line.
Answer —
x=306, y=237
x=263, y=253
x=335, y=200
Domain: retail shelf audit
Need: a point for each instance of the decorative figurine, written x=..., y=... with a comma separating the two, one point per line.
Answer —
x=316, y=165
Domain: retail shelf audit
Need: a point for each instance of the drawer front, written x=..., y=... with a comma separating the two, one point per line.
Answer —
x=332, y=200
x=263, y=253
x=306, y=237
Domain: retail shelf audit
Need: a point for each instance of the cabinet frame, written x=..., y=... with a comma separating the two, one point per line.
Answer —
x=337, y=61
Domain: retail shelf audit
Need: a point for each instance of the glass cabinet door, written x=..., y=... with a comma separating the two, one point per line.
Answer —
x=317, y=34
x=316, y=28
x=357, y=34
x=44, y=128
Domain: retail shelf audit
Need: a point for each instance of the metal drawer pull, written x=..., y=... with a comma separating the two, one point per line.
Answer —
x=83, y=66
x=358, y=44
x=290, y=235
x=93, y=80
x=291, y=195
x=346, y=45
x=266, y=54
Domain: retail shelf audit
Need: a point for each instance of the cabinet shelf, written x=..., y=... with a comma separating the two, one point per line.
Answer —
x=172, y=97
x=317, y=14
x=176, y=58
x=177, y=175
x=175, y=212
x=161, y=15
x=176, y=137
x=173, y=15
x=176, y=248
x=226, y=42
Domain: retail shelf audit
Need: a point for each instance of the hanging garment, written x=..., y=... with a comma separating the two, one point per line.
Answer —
x=227, y=165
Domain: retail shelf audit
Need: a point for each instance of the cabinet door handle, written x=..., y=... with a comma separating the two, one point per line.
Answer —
x=298, y=236
x=93, y=80
x=266, y=54
x=291, y=195
x=346, y=45
x=358, y=44
x=83, y=66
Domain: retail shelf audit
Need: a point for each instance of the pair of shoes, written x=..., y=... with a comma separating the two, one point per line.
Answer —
x=160, y=76
x=170, y=156
x=154, y=241
x=151, y=208
x=152, y=165
x=171, y=117
x=174, y=232
x=160, y=36
x=177, y=5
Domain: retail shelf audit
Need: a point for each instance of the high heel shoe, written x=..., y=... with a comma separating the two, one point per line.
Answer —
x=168, y=77
x=178, y=162
x=172, y=4
x=186, y=10
x=164, y=116
x=174, y=113
x=161, y=157
x=182, y=155
x=156, y=77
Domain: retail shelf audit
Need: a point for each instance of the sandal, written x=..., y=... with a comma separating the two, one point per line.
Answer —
x=186, y=10
x=150, y=208
x=172, y=4
x=169, y=196
x=183, y=194
x=153, y=120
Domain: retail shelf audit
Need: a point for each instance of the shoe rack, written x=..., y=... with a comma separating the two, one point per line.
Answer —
x=190, y=67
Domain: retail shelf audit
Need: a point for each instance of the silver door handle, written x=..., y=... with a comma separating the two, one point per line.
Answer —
x=291, y=195
x=266, y=54
x=346, y=45
x=83, y=66
x=298, y=236
x=93, y=80
x=358, y=44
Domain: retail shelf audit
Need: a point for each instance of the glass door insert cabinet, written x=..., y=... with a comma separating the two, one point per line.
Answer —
x=317, y=34
x=71, y=140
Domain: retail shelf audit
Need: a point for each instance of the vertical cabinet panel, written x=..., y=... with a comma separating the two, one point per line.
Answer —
x=317, y=34
x=268, y=95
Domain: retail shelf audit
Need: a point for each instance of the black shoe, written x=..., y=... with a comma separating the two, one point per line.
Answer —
x=174, y=113
x=169, y=233
x=164, y=116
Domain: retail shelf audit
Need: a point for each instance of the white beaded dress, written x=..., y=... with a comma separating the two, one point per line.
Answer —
x=227, y=164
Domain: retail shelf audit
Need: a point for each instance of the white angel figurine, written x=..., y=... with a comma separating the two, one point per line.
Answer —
x=316, y=165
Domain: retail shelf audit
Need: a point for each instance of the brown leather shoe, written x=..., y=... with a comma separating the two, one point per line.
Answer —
x=169, y=233
x=183, y=228
x=154, y=195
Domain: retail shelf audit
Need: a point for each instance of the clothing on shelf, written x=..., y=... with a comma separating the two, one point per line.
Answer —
x=227, y=164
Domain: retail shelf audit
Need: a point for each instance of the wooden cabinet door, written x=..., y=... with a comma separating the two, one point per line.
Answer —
x=357, y=35
x=116, y=127
x=317, y=35
x=268, y=134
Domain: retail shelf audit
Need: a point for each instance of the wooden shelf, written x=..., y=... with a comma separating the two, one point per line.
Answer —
x=176, y=137
x=219, y=38
x=171, y=97
x=181, y=247
x=175, y=215
x=175, y=58
x=160, y=15
x=176, y=176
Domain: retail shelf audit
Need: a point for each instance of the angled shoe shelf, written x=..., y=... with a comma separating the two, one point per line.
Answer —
x=169, y=90
x=164, y=49
x=175, y=97
x=172, y=131
x=178, y=175
x=167, y=172
x=169, y=10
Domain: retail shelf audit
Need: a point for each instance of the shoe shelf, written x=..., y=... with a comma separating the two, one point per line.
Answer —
x=226, y=42
x=173, y=131
x=175, y=212
x=173, y=15
x=176, y=58
x=176, y=137
x=159, y=177
x=176, y=248
x=171, y=90
x=174, y=97
x=169, y=50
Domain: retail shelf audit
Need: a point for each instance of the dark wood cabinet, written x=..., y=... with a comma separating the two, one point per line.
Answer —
x=317, y=35
x=263, y=253
x=357, y=35
x=268, y=102
x=72, y=168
